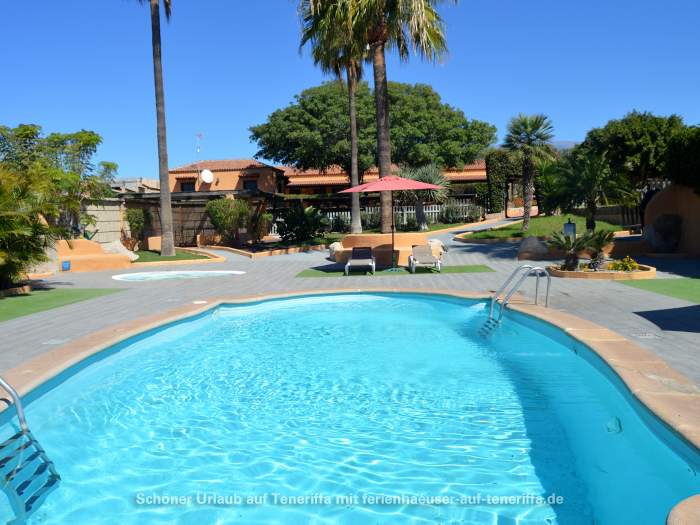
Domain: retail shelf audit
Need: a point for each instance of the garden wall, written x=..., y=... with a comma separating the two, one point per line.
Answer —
x=109, y=217
x=683, y=201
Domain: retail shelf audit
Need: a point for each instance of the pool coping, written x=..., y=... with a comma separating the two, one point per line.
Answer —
x=667, y=393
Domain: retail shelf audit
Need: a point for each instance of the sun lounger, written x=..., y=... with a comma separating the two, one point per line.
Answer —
x=422, y=255
x=360, y=257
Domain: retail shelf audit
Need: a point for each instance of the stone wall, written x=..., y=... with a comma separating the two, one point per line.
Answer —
x=682, y=201
x=109, y=217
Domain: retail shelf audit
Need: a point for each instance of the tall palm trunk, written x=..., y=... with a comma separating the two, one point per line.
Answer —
x=356, y=221
x=381, y=99
x=528, y=170
x=167, y=246
x=591, y=212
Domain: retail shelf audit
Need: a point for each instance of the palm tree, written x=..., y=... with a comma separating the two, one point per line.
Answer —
x=430, y=174
x=400, y=24
x=328, y=27
x=529, y=135
x=588, y=179
x=167, y=247
x=571, y=246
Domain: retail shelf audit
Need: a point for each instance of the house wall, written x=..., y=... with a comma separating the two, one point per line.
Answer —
x=683, y=201
x=228, y=180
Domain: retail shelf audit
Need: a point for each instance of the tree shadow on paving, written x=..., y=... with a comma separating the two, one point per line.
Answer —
x=682, y=319
x=682, y=267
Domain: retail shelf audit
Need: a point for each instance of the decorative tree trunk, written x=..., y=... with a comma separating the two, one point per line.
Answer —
x=591, y=212
x=528, y=170
x=381, y=99
x=167, y=246
x=356, y=221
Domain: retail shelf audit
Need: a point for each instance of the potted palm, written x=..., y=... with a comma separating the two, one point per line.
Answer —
x=571, y=246
x=597, y=243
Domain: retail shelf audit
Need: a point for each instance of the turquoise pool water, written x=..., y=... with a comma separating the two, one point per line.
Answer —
x=360, y=409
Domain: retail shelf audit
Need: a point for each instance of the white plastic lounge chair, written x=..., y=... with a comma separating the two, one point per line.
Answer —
x=423, y=256
x=360, y=258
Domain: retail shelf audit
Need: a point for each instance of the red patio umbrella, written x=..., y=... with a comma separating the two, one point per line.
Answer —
x=392, y=183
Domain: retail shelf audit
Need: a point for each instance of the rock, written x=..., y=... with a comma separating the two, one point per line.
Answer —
x=532, y=249
x=118, y=247
x=332, y=249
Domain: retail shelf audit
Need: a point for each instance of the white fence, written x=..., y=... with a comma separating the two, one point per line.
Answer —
x=433, y=212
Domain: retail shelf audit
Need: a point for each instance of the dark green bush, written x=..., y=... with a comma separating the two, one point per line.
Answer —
x=410, y=226
x=299, y=224
x=502, y=167
x=451, y=213
x=340, y=224
x=683, y=158
x=136, y=218
x=371, y=220
x=227, y=216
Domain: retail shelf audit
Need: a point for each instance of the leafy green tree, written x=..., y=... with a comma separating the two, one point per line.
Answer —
x=67, y=160
x=336, y=48
x=401, y=24
x=548, y=190
x=430, y=174
x=425, y=130
x=683, y=158
x=167, y=246
x=529, y=136
x=300, y=224
x=502, y=168
x=587, y=179
x=25, y=204
x=635, y=145
x=312, y=132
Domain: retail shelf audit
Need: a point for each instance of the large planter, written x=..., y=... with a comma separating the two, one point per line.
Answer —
x=644, y=272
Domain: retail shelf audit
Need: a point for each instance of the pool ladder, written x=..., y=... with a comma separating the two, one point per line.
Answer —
x=524, y=271
x=27, y=474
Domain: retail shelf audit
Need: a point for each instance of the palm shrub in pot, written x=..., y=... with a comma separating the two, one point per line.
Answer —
x=597, y=243
x=571, y=246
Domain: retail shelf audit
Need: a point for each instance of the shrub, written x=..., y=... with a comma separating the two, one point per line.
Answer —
x=299, y=224
x=571, y=246
x=451, y=213
x=371, y=220
x=502, y=167
x=259, y=224
x=624, y=265
x=340, y=224
x=410, y=226
x=136, y=219
x=227, y=216
x=481, y=190
x=597, y=242
x=683, y=158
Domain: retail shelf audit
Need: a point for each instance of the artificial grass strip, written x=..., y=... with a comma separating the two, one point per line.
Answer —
x=150, y=256
x=42, y=300
x=540, y=227
x=685, y=288
x=469, y=268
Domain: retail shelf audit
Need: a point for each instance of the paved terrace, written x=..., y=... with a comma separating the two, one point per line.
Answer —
x=669, y=327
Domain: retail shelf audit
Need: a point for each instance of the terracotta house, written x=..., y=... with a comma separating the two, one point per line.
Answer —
x=231, y=174
x=335, y=179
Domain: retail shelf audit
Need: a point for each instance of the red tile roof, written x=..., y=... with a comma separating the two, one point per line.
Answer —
x=221, y=165
x=336, y=176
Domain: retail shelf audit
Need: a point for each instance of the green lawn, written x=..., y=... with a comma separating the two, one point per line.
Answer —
x=40, y=300
x=541, y=227
x=685, y=288
x=470, y=268
x=149, y=256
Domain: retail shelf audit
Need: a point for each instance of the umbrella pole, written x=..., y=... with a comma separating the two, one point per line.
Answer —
x=393, y=230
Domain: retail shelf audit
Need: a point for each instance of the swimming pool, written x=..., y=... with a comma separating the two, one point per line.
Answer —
x=360, y=408
x=174, y=274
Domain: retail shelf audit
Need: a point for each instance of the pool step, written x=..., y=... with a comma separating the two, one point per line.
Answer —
x=27, y=474
x=488, y=327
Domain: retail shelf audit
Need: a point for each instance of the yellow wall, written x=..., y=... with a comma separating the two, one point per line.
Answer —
x=229, y=180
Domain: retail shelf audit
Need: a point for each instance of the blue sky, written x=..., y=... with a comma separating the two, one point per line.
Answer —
x=229, y=63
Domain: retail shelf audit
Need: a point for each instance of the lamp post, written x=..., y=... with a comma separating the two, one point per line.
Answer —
x=570, y=229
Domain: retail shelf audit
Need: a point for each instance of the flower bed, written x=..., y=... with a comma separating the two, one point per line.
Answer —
x=642, y=272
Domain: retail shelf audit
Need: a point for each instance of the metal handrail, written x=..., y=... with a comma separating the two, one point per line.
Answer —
x=17, y=402
x=537, y=271
x=498, y=293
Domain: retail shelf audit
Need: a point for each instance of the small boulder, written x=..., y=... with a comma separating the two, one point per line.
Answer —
x=532, y=249
x=118, y=247
x=332, y=249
